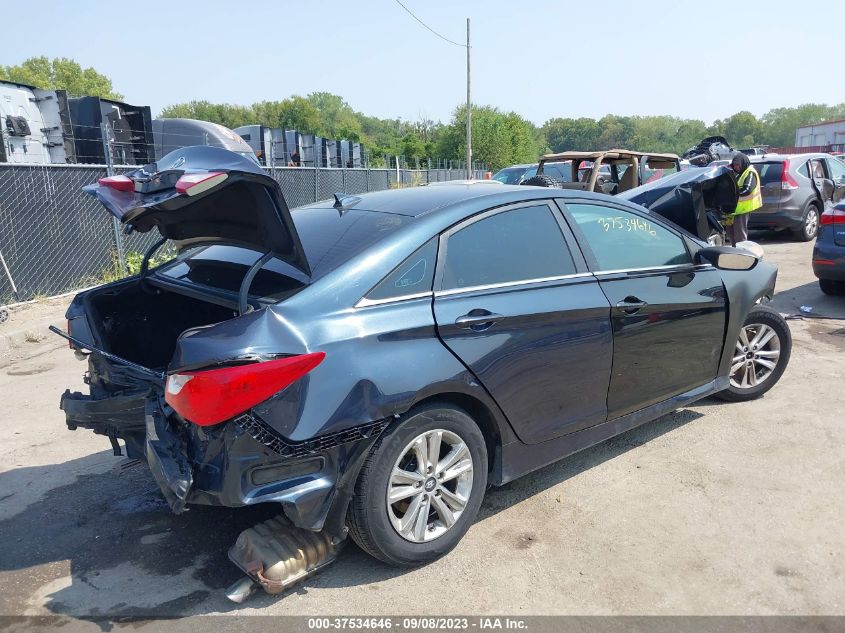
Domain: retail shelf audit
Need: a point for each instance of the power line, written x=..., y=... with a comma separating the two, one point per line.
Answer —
x=442, y=37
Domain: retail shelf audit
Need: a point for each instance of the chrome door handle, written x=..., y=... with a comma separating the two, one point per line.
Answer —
x=471, y=321
x=631, y=305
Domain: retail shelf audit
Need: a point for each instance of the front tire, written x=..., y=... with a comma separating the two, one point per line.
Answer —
x=760, y=355
x=421, y=487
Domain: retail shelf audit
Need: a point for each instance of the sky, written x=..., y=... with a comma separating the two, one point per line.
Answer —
x=691, y=59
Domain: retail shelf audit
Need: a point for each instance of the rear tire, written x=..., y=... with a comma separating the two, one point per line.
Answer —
x=832, y=287
x=541, y=180
x=760, y=356
x=431, y=492
x=810, y=226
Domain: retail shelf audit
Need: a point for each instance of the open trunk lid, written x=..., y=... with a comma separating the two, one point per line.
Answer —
x=205, y=195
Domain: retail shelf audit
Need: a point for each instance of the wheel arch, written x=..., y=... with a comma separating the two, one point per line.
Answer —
x=483, y=416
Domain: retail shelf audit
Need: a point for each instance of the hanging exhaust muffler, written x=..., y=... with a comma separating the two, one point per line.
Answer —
x=276, y=555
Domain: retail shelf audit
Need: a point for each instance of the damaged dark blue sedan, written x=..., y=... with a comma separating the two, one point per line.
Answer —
x=372, y=363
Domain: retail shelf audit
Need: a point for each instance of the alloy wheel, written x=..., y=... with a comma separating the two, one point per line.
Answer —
x=756, y=356
x=429, y=485
x=811, y=224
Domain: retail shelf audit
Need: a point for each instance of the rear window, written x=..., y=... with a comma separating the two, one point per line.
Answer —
x=224, y=267
x=328, y=237
x=331, y=238
x=770, y=173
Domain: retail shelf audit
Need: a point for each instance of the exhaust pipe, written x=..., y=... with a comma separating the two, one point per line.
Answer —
x=276, y=555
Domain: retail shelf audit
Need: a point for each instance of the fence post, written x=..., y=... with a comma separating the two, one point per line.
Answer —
x=9, y=275
x=118, y=236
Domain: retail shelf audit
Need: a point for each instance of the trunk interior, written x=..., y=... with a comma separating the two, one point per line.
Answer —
x=143, y=327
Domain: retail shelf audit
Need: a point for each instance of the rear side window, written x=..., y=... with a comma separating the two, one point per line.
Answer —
x=412, y=276
x=516, y=245
x=804, y=169
x=770, y=173
x=621, y=240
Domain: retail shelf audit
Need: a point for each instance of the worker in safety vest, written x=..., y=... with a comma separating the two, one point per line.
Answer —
x=749, y=197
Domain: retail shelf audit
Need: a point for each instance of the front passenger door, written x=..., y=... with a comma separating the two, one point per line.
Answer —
x=837, y=173
x=668, y=314
x=824, y=186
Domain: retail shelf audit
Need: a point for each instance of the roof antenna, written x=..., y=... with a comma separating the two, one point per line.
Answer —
x=342, y=202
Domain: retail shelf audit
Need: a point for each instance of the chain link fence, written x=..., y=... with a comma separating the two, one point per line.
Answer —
x=55, y=239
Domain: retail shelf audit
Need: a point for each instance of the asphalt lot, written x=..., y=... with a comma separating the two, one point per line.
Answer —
x=714, y=509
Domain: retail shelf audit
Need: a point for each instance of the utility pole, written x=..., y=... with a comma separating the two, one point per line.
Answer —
x=105, y=130
x=469, y=113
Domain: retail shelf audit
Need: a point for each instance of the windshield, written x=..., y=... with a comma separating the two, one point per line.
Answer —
x=513, y=175
x=562, y=172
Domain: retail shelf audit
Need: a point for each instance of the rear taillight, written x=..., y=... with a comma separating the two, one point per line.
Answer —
x=213, y=396
x=786, y=180
x=193, y=184
x=69, y=342
x=836, y=215
x=119, y=183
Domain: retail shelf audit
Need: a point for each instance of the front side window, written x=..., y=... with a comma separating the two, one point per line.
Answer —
x=517, y=245
x=411, y=277
x=621, y=240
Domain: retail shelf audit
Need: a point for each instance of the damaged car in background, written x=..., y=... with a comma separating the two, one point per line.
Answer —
x=697, y=200
x=603, y=171
x=709, y=150
x=370, y=364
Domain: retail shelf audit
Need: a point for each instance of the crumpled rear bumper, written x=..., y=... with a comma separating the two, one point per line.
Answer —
x=237, y=463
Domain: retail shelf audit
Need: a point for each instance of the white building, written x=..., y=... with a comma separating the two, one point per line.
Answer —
x=825, y=133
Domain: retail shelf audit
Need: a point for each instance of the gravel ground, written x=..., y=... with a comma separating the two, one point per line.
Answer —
x=714, y=509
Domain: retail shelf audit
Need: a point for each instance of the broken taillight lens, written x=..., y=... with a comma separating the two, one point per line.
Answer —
x=193, y=184
x=215, y=395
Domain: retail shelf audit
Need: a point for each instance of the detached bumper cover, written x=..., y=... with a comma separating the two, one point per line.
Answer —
x=167, y=459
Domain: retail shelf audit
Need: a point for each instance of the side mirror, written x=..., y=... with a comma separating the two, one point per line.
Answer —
x=726, y=258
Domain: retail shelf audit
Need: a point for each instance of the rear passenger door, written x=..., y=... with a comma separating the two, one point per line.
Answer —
x=514, y=301
x=668, y=314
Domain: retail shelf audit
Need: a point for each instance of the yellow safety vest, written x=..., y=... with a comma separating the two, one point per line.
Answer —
x=754, y=199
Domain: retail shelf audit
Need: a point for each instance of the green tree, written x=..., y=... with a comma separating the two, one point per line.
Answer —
x=742, y=128
x=60, y=73
x=227, y=114
x=565, y=135
x=337, y=118
x=779, y=124
x=498, y=138
x=297, y=113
